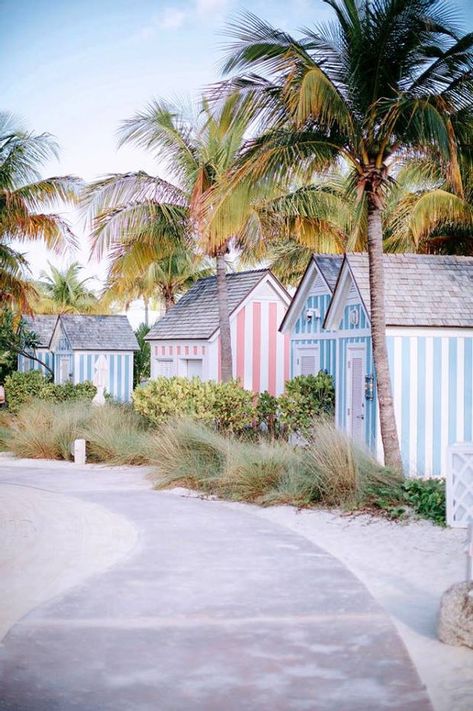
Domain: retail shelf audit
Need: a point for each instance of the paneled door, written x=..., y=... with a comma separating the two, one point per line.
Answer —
x=356, y=358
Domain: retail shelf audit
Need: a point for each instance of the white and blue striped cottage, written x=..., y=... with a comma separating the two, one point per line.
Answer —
x=71, y=344
x=429, y=332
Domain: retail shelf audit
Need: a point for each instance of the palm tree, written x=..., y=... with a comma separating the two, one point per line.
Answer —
x=133, y=274
x=15, y=288
x=387, y=81
x=64, y=291
x=23, y=197
x=137, y=208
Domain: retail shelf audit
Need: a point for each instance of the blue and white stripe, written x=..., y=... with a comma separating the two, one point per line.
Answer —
x=120, y=372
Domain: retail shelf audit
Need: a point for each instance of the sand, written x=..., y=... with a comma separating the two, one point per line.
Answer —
x=49, y=544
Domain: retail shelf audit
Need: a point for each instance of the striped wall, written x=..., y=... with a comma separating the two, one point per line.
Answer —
x=120, y=371
x=25, y=364
x=432, y=377
x=260, y=352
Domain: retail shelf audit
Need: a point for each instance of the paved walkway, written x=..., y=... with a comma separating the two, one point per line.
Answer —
x=208, y=608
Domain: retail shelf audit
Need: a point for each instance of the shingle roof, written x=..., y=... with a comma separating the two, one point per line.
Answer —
x=43, y=326
x=99, y=333
x=421, y=290
x=196, y=314
x=329, y=265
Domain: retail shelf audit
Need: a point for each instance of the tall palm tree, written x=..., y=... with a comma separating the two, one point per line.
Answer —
x=24, y=196
x=64, y=291
x=137, y=208
x=386, y=81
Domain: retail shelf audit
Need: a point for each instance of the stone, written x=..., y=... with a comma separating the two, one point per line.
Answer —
x=455, y=624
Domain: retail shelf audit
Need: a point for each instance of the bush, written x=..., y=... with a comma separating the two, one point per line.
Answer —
x=22, y=388
x=226, y=405
x=267, y=411
x=307, y=397
x=426, y=497
x=116, y=434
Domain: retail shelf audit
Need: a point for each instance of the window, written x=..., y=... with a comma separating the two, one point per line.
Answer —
x=164, y=367
x=194, y=368
x=307, y=360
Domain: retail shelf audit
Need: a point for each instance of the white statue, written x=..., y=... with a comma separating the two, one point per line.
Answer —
x=100, y=379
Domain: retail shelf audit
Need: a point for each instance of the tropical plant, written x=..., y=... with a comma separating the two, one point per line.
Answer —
x=24, y=197
x=16, y=339
x=152, y=216
x=142, y=358
x=63, y=292
x=387, y=81
x=134, y=274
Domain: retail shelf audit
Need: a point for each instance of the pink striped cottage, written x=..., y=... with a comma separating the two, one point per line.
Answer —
x=186, y=341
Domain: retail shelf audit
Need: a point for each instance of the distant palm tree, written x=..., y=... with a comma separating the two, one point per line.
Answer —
x=133, y=274
x=63, y=291
x=389, y=80
x=23, y=197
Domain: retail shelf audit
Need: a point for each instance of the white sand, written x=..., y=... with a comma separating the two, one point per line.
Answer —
x=406, y=567
x=49, y=543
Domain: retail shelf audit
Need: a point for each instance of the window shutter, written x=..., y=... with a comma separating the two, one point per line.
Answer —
x=307, y=364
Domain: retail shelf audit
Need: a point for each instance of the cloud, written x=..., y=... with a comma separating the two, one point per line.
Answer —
x=172, y=18
x=208, y=7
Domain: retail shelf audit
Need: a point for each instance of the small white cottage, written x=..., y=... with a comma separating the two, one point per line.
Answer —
x=429, y=333
x=186, y=341
x=71, y=345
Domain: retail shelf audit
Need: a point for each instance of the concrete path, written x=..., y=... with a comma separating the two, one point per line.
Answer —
x=211, y=608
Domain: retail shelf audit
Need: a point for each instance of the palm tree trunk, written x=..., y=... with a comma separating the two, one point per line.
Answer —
x=146, y=303
x=224, y=319
x=392, y=453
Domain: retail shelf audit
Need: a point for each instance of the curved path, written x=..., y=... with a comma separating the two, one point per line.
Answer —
x=211, y=608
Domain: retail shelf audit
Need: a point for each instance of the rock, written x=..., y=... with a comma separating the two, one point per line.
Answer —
x=455, y=624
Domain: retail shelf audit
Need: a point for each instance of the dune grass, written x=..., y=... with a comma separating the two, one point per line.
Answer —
x=329, y=470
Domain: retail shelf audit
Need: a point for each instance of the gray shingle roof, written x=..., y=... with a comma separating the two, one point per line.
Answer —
x=43, y=326
x=196, y=314
x=421, y=290
x=99, y=333
x=329, y=265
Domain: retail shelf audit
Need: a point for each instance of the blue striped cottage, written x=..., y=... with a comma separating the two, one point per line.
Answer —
x=71, y=345
x=429, y=332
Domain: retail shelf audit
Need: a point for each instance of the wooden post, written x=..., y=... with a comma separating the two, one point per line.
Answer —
x=79, y=451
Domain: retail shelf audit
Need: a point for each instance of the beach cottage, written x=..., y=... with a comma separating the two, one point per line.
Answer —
x=429, y=331
x=186, y=341
x=71, y=345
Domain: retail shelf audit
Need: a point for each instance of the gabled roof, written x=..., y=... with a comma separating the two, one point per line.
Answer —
x=328, y=265
x=43, y=326
x=420, y=289
x=99, y=333
x=195, y=316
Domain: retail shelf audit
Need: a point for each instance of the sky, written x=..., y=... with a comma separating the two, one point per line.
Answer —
x=77, y=68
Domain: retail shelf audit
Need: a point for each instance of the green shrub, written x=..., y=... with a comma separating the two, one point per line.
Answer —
x=21, y=388
x=232, y=406
x=426, y=497
x=306, y=397
x=226, y=405
x=267, y=411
